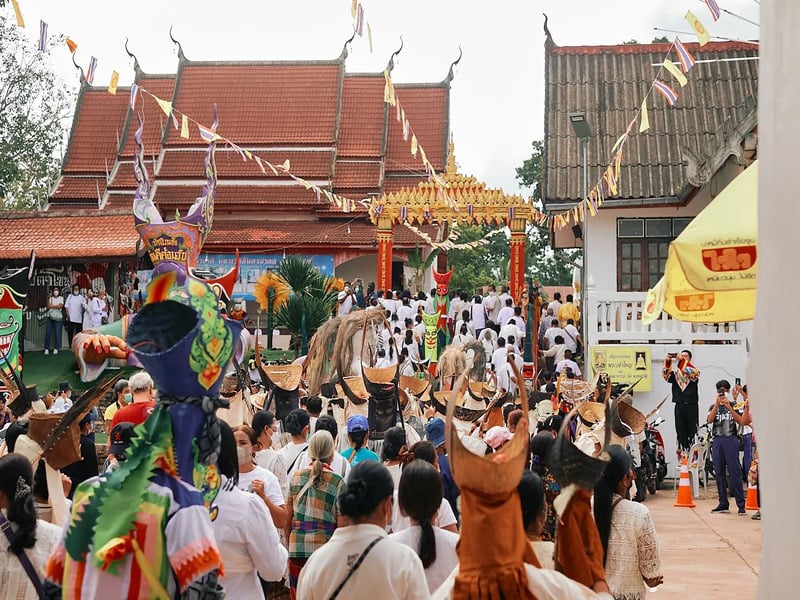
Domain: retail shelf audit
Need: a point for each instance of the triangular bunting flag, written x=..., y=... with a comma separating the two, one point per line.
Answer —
x=165, y=105
x=666, y=91
x=414, y=144
x=112, y=86
x=71, y=45
x=675, y=71
x=184, y=127
x=684, y=57
x=644, y=125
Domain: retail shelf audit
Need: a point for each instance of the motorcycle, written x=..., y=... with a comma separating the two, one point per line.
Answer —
x=654, y=462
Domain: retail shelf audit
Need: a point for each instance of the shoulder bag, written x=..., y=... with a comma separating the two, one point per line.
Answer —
x=30, y=570
x=354, y=568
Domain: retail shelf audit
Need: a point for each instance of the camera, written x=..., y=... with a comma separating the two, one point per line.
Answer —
x=672, y=354
x=738, y=381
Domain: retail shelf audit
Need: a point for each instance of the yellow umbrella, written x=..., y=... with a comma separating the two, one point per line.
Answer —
x=711, y=270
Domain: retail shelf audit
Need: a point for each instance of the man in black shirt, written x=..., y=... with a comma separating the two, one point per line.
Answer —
x=725, y=448
x=87, y=466
x=683, y=375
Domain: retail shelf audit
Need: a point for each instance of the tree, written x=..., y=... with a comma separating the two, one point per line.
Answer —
x=311, y=302
x=419, y=265
x=34, y=106
x=548, y=266
x=661, y=40
x=482, y=265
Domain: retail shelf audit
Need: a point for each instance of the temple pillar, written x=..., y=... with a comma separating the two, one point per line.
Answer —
x=384, y=238
x=517, y=267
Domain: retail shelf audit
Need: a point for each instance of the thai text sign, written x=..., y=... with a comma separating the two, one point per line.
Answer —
x=624, y=364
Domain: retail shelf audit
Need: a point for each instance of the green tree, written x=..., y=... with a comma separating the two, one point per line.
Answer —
x=311, y=303
x=550, y=267
x=420, y=265
x=661, y=40
x=482, y=265
x=34, y=106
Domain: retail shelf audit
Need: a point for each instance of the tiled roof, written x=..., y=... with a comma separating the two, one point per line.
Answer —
x=426, y=109
x=352, y=175
x=248, y=197
x=275, y=103
x=395, y=182
x=73, y=188
x=155, y=121
x=96, y=130
x=184, y=164
x=112, y=236
x=274, y=235
x=123, y=179
x=362, y=127
x=609, y=82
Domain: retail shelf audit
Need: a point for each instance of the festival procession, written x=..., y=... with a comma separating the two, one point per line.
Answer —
x=262, y=335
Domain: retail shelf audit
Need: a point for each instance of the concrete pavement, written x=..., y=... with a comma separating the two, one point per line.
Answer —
x=705, y=555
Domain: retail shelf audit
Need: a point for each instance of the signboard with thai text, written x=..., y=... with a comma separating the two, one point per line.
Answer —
x=624, y=364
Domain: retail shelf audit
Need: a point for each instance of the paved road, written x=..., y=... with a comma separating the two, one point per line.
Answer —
x=705, y=555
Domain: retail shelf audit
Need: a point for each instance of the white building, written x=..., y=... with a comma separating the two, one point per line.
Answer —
x=668, y=174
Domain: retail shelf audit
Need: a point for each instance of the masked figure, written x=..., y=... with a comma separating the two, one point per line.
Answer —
x=431, y=337
x=442, y=306
x=13, y=291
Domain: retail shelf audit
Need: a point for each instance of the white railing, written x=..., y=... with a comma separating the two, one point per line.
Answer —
x=616, y=317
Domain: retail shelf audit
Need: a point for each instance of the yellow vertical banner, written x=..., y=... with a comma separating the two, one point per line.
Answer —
x=702, y=33
x=112, y=86
x=675, y=72
x=184, y=127
x=644, y=125
x=18, y=13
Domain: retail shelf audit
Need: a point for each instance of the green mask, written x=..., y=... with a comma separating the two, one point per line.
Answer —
x=128, y=397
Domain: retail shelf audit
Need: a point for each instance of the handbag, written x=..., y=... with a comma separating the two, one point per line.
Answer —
x=30, y=570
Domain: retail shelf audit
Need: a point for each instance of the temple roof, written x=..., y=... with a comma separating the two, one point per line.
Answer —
x=714, y=111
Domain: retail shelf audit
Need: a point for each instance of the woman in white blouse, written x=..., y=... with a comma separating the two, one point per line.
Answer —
x=626, y=530
x=244, y=530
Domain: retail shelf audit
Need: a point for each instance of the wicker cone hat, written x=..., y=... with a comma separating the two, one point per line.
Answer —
x=490, y=503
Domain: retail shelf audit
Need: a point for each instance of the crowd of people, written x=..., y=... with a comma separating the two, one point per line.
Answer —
x=293, y=512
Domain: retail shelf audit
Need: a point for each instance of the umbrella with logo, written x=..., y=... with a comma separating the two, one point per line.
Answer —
x=711, y=270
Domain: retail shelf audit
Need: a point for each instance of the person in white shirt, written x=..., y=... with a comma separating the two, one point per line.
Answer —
x=568, y=362
x=98, y=309
x=556, y=303
x=420, y=494
x=266, y=427
x=553, y=331
x=489, y=340
x=346, y=300
x=500, y=355
x=359, y=560
x=430, y=303
x=573, y=338
x=297, y=424
x=258, y=480
x=506, y=313
x=478, y=314
x=381, y=360
x=493, y=305
x=556, y=353
x=464, y=319
x=511, y=329
x=246, y=535
x=405, y=311
x=419, y=333
x=63, y=400
x=338, y=463
x=463, y=336
x=75, y=305
x=504, y=295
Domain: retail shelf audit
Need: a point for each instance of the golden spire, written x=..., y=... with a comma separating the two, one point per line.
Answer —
x=450, y=169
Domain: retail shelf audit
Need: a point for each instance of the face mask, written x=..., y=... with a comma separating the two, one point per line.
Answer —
x=76, y=292
x=243, y=455
x=55, y=293
x=128, y=397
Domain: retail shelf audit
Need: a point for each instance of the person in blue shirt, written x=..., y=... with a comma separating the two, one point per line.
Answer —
x=725, y=422
x=358, y=433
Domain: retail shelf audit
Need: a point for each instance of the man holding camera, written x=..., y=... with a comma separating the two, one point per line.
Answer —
x=683, y=375
x=725, y=448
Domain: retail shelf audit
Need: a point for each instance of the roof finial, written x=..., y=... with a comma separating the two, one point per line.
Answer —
x=548, y=39
x=181, y=55
x=451, y=72
x=390, y=64
x=451, y=168
x=136, y=67
x=344, y=53
x=82, y=77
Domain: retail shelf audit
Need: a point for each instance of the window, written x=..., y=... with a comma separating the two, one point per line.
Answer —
x=642, y=248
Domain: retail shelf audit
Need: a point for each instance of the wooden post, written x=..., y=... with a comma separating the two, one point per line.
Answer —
x=384, y=237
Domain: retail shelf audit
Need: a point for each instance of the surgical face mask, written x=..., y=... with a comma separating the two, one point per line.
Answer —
x=76, y=291
x=128, y=397
x=55, y=292
x=243, y=455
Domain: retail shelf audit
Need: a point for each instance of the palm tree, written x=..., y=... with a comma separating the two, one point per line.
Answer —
x=419, y=264
x=312, y=299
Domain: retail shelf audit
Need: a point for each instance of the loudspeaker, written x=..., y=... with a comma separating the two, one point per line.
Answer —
x=577, y=232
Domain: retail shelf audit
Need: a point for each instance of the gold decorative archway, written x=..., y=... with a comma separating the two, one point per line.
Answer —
x=453, y=199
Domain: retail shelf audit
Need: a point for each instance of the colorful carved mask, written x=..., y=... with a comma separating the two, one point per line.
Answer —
x=13, y=290
x=442, y=281
x=431, y=340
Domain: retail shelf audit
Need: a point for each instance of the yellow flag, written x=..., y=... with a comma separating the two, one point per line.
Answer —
x=675, y=71
x=700, y=31
x=71, y=45
x=165, y=106
x=369, y=37
x=18, y=13
x=354, y=8
x=414, y=144
x=645, y=124
x=184, y=127
x=112, y=86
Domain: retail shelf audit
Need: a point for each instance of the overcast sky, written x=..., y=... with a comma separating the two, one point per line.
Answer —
x=497, y=99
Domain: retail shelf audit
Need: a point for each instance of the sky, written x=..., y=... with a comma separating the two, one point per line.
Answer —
x=497, y=94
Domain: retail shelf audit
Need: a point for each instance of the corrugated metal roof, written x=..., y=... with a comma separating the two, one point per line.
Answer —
x=608, y=83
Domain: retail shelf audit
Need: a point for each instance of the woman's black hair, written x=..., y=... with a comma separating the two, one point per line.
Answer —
x=393, y=440
x=424, y=450
x=329, y=424
x=464, y=329
x=531, y=496
x=368, y=484
x=358, y=438
x=540, y=447
x=228, y=461
x=261, y=420
x=296, y=421
x=409, y=336
x=616, y=469
x=391, y=348
x=420, y=495
x=16, y=482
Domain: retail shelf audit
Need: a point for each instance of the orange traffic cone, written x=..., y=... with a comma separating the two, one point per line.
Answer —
x=684, y=488
x=751, y=503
